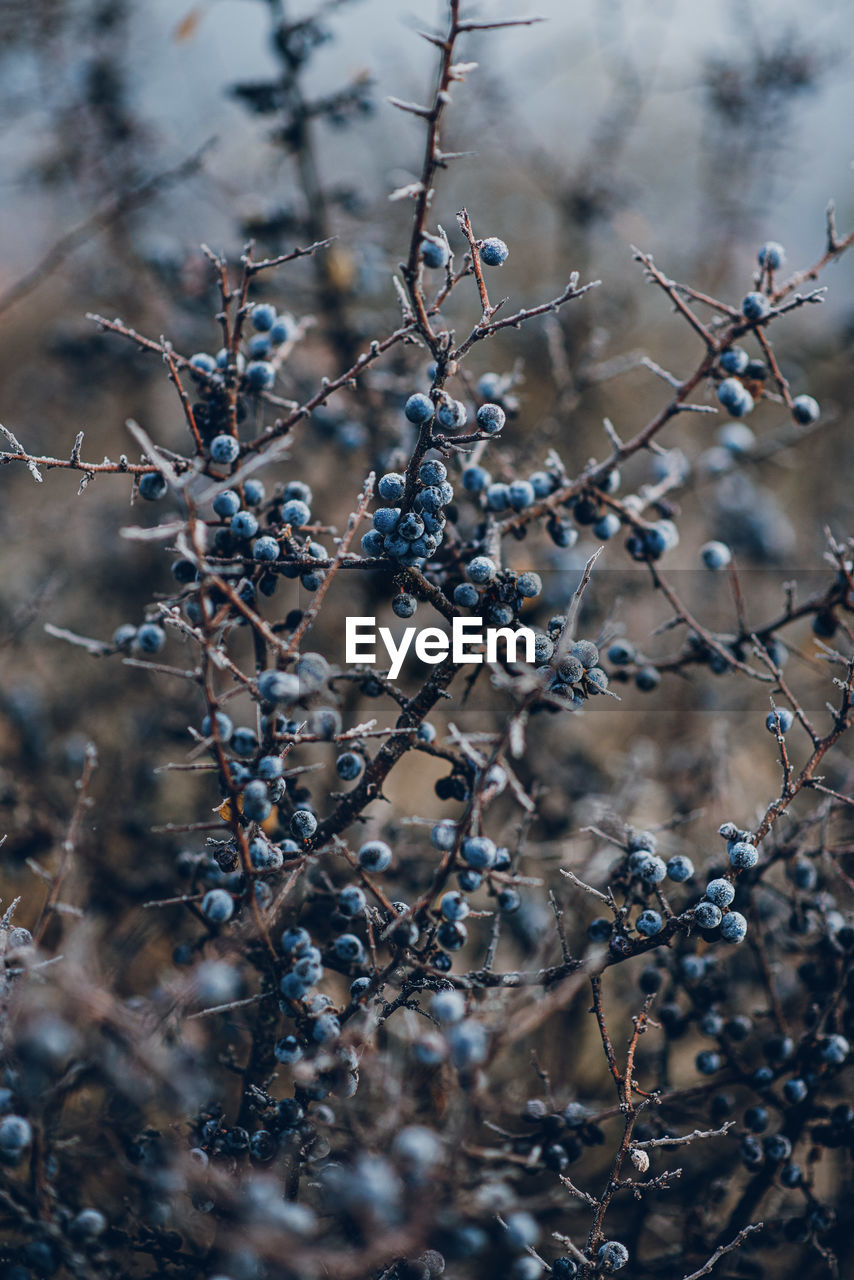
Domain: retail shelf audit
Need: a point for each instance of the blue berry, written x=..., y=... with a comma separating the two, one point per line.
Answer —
x=253, y=493
x=295, y=942
x=475, y=479
x=297, y=489
x=711, y=1024
x=597, y=681
x=493, y=252
x=295, y=513
x=468, y=1043
x=465, y=595
x=707, y=915
x=203, y=362
x=521, y=494
x=649, y=923
x=771, y=255
x=404, y=605
x=434, y=252
x=349, y=948
x=454, y=906
x=606, y=527
x=430, y=499
x=278, y=686
x=479, y=852
x=564, y=1268
x=780, y=720
x=244, y=525
x=680, y=868
x=443, y=836
x=260, y=375
x=386, y=519
x=733, y=927
x=721, y=892
x=16, y=1135
x=418, y=408
x=778, y=1147
x=612, y=1256
x=88, y=1224
x=735, y=360
x=448, y=1007
x=218, y=906
x=150, y=638
x=497, y=496
x=303, y=824
x=499, y=615
x=755, y=306
x=265, y=549
x=509, y=900
x=263, y=317
x=491, y=418
x=225, y=728
x=803, y=874
x=737, y=438
x=715, y=555
x=326, y=1028
x=708, y=1062
x=411, y=526
x=735, y=397
x=282, y=330
x=375, y=856
x=256, y=802
x=259, y=346
x=451, y=935
x=426, y=732
x=391, y=486
x=522, y=1230
x=621, y=653
x=452, y=414
x=652, y=869
x=265, y=857
x=542, y=482
x=432, y=471
x=647, y=679
x=600, y=929
x=805, y=410
x=352, y=900
x=743, y=855
x=153, y=486
x=834, y=1050
x=795, y=1090
x=373, y=543
x=349, y=765
x=529, y=585
x=481, y=570
x=227, y=503
x=224, y=449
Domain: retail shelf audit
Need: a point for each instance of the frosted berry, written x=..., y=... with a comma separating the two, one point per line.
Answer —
x=771, y=255
x=755, y=306
x=418, y=408
x=225, y=450
x=805, y=410
x=493, y=252
x=260, y=375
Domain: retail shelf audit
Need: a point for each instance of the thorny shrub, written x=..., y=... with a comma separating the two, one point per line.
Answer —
x=371, y=1051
